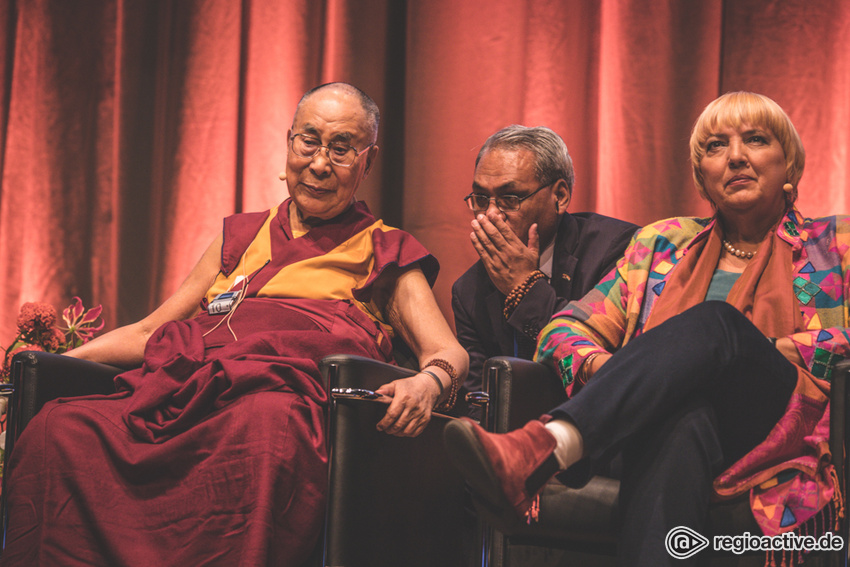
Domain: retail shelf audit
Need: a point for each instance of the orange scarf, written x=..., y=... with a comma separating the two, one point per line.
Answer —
x=763, y=293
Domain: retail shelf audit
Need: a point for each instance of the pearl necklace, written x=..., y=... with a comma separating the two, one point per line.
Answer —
x=735, y=252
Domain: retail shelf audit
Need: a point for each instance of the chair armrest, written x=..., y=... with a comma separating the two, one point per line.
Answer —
x=350, y=371
x=520, y=390
x=391, y=500
x=38, y=377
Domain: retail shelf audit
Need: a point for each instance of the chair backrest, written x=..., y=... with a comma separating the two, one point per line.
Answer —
x=39, y=377
x=520, y=390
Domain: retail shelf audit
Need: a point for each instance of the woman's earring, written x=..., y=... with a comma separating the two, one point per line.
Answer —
x=787, y=187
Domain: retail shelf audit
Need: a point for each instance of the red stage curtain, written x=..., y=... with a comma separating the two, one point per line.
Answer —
x=129, y=128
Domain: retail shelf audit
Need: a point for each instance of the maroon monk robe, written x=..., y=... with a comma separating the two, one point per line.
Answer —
x=212, y=453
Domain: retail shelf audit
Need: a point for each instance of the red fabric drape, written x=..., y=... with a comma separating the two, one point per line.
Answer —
x=130, y=128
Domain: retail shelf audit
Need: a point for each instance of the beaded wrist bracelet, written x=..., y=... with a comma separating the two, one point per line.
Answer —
x=450, y=370
x=518, y=293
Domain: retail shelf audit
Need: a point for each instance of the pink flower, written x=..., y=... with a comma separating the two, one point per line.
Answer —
x=81, y=323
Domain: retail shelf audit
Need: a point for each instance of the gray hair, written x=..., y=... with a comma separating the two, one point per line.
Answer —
x=552, y=160
x=373, y=114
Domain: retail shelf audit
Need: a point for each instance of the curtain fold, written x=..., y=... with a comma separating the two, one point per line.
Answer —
x=130, y=128
x=647, y=105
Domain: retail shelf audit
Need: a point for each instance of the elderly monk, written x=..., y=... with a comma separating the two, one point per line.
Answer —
x=213, y=452
x=706, y=357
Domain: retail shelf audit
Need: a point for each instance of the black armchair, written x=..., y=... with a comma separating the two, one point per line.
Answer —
x=391, y=501
x=581, y=524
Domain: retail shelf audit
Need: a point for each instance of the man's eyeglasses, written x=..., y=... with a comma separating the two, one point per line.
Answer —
x=479, y=202
x=339, y=153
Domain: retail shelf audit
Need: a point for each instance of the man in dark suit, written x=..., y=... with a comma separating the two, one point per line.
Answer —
x=535, y=256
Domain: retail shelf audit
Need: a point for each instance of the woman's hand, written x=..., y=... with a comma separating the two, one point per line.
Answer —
x=410, y=409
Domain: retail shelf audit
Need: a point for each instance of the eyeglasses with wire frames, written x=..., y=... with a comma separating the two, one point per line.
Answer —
x=479, y=202
x=339, y=153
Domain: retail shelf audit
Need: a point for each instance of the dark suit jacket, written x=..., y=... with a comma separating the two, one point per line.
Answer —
x=587, y=247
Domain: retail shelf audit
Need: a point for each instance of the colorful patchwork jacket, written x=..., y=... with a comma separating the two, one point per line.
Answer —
x=616, y=310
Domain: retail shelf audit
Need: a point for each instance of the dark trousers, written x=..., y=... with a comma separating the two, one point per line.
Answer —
x=681, y=402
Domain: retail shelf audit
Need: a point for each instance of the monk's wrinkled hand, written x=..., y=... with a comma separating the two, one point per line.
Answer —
x=410, y=409
x=506, y=258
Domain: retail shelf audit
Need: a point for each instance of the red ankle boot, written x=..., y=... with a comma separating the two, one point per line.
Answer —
x=506, y=471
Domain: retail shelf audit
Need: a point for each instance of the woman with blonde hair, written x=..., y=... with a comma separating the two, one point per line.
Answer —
x=705, y=356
